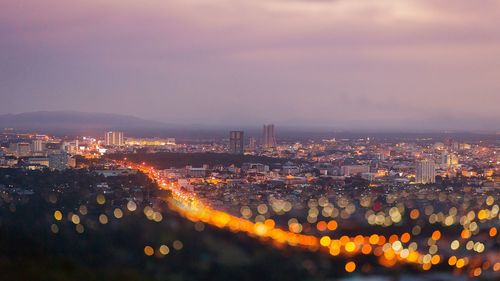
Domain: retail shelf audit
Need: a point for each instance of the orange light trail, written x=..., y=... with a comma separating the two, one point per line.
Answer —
x=389, y=251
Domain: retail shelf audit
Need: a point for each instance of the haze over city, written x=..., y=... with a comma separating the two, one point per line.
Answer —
x=273, y=140
x=334, y=64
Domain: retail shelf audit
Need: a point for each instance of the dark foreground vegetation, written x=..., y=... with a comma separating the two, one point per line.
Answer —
x=30, y=250
x=35, y=245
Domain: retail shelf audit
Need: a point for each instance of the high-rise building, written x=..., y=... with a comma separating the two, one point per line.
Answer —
x=113, y=138
x=53, y=147
x=38, y=145
x=58, y=161
x=71, y=147
x=23, y=149
x=449, y=160
x=268, y=137
x=252, y=143
x=236, y=142
x=426, y=171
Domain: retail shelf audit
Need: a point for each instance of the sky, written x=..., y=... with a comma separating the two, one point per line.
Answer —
x=334, y=64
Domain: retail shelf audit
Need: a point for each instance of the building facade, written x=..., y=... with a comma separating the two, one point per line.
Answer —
x=38, y=146
x=425, y=171
x=236, y=144
x=113, y=138
x=58, y=161
x=268, y=137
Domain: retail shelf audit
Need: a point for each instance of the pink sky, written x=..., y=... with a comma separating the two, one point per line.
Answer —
x=292, y=62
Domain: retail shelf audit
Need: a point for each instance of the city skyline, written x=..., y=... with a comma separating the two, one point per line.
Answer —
x=341, y=64
x=250, y=140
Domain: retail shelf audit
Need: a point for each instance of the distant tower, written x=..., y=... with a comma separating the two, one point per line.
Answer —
x=236, y=142
x=38, y=145
x=113, y=138
x=23, y=149
x=252, y=143
x=426, y=171
x=449, y=160
x=268, y=137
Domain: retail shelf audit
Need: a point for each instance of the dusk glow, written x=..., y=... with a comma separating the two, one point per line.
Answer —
x=337, y=64
x=250, y=140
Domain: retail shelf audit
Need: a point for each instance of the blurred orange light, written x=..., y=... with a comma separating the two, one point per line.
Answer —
x=350, y=266
x=332, y=225
x=436, y=235
x=493, y=231
x=405, y=237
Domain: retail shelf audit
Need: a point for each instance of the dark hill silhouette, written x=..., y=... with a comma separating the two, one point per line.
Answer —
x=76, y=122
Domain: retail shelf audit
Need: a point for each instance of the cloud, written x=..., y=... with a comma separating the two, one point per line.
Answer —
x=322, y=61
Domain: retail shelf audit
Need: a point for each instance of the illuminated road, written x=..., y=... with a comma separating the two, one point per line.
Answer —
x=389, y=250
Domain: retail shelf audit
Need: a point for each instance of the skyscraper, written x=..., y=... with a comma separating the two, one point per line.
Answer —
x=449, y=160
x=252, y=143
x=236, y=142
x=426, y=171
x=38, y=145
x=23, y=149
x=58, y=161
x=268, y=137
x=113, y=138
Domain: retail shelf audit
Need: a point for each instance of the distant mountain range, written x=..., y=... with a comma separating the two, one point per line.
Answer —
x=76, y=122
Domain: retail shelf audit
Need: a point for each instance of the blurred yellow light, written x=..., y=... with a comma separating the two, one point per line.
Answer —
x=75, y=219
x=103, y=219
x=58, y=215
x=100, y=199
x=325, y=241
x=373, y=239
x=350, y=247
x=118, y=213
x=164, y=250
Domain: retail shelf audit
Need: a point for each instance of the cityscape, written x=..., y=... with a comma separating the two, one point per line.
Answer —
x=201, y=140
x=429, y=203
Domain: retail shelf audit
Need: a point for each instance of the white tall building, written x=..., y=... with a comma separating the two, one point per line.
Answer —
x=426, y=171
x=113, y=138
x=38, y=146
x=268, y=137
